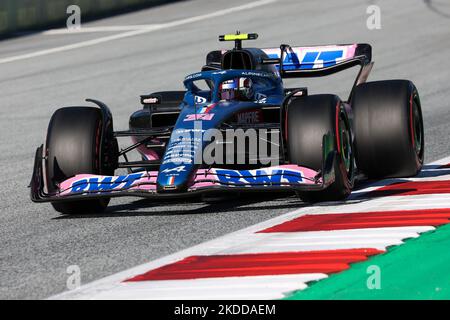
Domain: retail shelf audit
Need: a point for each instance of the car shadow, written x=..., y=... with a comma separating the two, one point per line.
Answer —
x=252, y=201
x=173, y=207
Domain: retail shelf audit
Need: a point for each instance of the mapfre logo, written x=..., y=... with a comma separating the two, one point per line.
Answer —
x=249, y=117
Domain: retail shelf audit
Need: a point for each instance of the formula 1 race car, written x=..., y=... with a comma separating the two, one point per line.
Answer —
x=216, y=135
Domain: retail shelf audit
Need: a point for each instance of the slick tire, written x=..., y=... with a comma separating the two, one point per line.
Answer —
x=308, y=120
x=74, y=139
x=388, y=127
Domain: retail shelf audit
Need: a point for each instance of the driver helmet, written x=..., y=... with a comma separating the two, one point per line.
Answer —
x=236, y=89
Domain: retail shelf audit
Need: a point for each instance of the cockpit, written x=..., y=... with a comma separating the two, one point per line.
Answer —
x=232, y=85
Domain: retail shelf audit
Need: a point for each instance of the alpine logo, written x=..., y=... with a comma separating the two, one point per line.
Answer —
x=176, y=169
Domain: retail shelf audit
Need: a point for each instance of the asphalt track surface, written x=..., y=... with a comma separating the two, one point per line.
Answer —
x=37, y=244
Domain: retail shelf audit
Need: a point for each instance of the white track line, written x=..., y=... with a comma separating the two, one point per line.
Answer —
x=113, y=286
x=295, y=238
x=64, y=31
x=263, y=287
x=235, y=244
x=272, y=247
x=133, y=33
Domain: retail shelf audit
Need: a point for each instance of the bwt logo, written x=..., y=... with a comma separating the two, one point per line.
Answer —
x=311, y=60
x=261, y=177
x=105, y=184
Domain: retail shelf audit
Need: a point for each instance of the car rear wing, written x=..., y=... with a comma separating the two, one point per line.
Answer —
x=298, y=62
x=310, y=61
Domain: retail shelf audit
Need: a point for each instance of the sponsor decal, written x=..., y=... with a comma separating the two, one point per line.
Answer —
x=199, y=100
x=193, y=76
x=176, y=169
x=199, y=116
x=183, y=145
x=177, y=160
x=256, y=74
x=150, y=100
x=106, y=184
x=310, y=59
x=324, y=59
x=248, y=117
x=177, y=150
x=194, y=131
x=260, y=98
x=259, y=177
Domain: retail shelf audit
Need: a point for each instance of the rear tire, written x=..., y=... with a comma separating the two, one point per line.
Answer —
x=74, y=142
x=388, y=126
x=308, y=120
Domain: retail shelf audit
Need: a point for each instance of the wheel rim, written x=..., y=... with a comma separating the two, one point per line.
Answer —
x=346, y=146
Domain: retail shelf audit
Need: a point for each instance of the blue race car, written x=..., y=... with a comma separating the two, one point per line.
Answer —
x=237, y=128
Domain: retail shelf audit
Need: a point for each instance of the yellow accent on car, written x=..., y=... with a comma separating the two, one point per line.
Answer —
x=232, y=37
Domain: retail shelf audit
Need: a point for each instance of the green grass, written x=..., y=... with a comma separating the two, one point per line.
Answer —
x=418, y=269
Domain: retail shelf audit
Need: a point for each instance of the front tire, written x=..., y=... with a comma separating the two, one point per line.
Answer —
x=308, y=120
x=75, y=141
